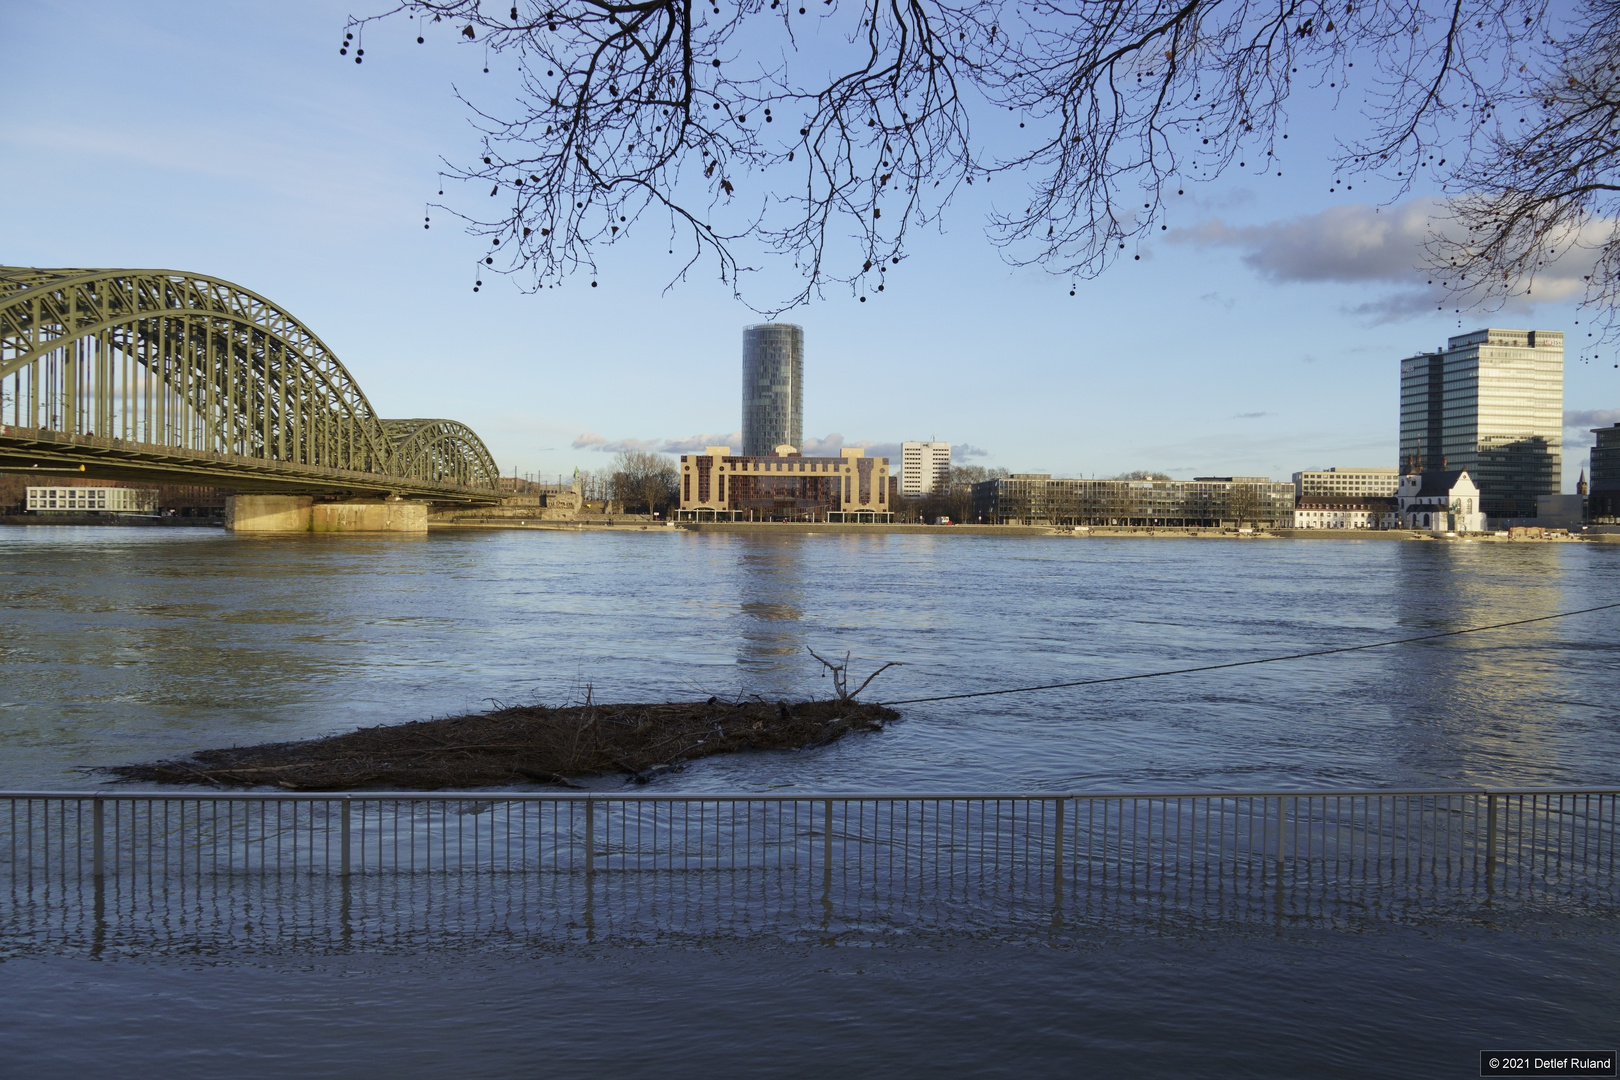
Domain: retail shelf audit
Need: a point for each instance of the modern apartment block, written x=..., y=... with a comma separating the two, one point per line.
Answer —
x=773, y=388
x=1491, y=403
x=717, y=485
x=1204, y=502
x=1603, y=496
x=1362, y=483
x=924, y=467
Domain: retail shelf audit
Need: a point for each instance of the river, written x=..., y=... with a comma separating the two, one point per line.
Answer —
x=126, y=645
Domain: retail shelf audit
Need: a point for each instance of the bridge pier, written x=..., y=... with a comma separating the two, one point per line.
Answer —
x=268, y=513
x=301, y=513
x=393, y=516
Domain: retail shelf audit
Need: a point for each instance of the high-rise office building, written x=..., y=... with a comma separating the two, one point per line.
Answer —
x=773, y=388
x=924, y=467
x=1490, y=402
x=1603, y=498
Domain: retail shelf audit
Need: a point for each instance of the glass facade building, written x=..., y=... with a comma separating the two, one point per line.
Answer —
x=1205, y=502
x=1603, y=497
x=773, y=388
x=1491, y=402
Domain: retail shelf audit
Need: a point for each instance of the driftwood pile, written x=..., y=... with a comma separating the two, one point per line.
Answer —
x=523, y=743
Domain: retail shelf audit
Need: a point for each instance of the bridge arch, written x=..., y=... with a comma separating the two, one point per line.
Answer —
x=443, y=451
x=192, y=363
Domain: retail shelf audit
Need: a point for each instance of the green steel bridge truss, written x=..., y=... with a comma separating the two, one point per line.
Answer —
x=170, y=377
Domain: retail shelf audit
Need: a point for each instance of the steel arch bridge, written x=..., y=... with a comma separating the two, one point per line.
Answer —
x=172, y=377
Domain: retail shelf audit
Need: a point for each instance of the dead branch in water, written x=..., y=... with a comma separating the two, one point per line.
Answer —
x=840, y=675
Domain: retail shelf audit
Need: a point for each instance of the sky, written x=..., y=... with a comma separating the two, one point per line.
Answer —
x=1262, y=335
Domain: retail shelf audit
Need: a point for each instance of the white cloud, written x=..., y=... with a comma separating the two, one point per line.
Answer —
x=1341, y=243
x=829, y=446
x=1578, y=425
x=694, y=444
x=826, y=447
x=1362, y=244
x=835, y=442
x=1591, y=418
x=592, y=441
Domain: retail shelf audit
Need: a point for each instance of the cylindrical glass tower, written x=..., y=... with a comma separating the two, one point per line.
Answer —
x=773, y=387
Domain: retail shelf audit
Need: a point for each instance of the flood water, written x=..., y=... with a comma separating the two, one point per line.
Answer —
x=125, y=644
x=128, y=644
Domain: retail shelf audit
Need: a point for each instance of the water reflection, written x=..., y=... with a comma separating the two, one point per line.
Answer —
x=770, y=634
x=1483, y=703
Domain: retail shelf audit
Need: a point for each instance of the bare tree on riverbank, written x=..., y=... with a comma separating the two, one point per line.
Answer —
x=954, y=498
x=644, y=482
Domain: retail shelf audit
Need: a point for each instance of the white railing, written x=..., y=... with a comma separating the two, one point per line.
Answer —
x=178, y=866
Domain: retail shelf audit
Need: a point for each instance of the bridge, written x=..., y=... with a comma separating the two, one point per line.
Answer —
x=178, y=378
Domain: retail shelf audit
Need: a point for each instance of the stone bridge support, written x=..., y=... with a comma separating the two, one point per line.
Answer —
x=301, y=513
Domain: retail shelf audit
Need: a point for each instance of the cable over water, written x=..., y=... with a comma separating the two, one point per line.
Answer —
x=1251, y=663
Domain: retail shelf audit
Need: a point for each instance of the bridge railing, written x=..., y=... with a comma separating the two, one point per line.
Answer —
x=799, y=860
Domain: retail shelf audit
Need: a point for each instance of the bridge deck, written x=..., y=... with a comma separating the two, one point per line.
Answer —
x=52, y=454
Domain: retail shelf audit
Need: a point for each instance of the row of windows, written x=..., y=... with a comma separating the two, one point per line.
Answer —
x=796, y=465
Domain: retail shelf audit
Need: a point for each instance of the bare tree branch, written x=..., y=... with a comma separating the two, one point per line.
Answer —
x=1549, y=191
x=750, y=149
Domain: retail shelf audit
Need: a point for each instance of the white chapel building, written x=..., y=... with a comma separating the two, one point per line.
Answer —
x=1440, y=502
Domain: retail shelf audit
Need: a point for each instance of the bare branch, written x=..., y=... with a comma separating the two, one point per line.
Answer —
x=750, y=153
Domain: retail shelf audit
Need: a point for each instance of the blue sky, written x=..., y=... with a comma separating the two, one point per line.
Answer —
x=1261, y=336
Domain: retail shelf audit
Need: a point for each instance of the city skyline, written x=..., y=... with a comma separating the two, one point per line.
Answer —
x=1257, y=337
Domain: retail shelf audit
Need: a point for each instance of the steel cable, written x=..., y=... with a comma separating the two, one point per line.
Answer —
x=1251, y=663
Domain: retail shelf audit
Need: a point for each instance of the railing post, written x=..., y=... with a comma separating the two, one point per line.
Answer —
x=826, y=839
x=1282, y=835
x=98, y=850
x=590, y=836
x=1057, y=849
x=343, y=835
x=1490, y=839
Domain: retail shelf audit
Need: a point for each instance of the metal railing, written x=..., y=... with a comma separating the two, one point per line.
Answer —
x=187, y=866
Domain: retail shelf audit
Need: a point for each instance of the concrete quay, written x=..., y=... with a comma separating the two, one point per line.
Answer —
x=285, y=514
x=105, y=520
x=781, y=528
x=541, y=525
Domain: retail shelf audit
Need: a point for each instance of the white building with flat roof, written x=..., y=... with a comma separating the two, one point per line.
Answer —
x=88, y=500
x=1351, y=483
x=924, y=467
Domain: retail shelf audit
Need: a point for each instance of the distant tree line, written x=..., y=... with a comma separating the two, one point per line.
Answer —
x=639, y=481
x=953, y=499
